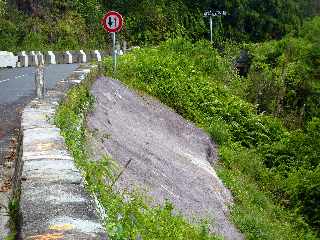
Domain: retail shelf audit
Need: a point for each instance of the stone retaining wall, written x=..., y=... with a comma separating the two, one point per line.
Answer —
x=53, y=200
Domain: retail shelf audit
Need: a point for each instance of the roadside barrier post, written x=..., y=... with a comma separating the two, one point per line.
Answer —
x=124, y=46
x=39, y=81
x=97, y=55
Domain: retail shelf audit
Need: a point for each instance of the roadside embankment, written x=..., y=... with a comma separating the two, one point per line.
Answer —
x=53, y=200
x=202, y=85
x=161, y=153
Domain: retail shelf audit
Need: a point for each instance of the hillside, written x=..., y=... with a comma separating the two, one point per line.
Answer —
x=253, y=93
x=269, y=152
x=59, y=25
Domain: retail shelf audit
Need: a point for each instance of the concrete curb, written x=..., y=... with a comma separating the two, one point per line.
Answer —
x=53, y=201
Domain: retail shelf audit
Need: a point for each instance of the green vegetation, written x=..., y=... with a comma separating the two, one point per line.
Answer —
x=13, y=211
x=267, y=124
x=284, y=76
x=60, y=25
x=18, y=31
x=126, y=219
x=269, y=161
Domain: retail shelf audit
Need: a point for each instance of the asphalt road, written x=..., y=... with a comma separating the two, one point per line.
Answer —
x=19, y=82
x=16, y=90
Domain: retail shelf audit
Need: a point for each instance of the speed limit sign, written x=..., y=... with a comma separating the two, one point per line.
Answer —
x=112, y=21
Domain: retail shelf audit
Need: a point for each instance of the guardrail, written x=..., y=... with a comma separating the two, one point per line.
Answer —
x=36, y=58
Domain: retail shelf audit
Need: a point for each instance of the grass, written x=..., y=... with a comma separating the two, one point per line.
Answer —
x=13, y=210
x=256, y=213
x=128, y=215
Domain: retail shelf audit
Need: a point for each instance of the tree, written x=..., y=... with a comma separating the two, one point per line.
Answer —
x=2, y=7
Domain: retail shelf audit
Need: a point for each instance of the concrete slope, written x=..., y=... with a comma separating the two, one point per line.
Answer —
x=170, y=157
x=54, y=203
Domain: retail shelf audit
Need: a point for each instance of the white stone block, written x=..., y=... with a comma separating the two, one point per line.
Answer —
x=7, y=59
x=67, y=57
x=124, y=46
x=23, y=59
x=83, y=57
x=40, y=57
x=51, y=58
x=97, y=55
x=33, y=59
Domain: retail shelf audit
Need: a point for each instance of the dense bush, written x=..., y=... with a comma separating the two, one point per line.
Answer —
x=150, y=21
x=2, y=7
x=50, y=25
x=284, y=76
x=264, y=164
x=296, y=159
x=254, y=20
x=284, y=81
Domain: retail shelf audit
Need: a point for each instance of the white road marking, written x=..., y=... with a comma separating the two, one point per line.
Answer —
x=6, y=80
x=20, y=76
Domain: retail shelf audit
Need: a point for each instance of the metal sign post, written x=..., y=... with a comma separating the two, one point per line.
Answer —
x=211, y=14
x=211, y=40
x=112, y=23
x=114, y=52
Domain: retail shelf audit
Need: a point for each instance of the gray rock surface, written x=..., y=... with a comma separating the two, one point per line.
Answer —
x=170, y=158
x=54, y=203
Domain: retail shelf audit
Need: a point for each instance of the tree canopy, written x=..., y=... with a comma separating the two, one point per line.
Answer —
x=146, y=21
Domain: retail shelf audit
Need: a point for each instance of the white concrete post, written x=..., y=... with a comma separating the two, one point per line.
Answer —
x=39, y=81
x=97, y=55
x=118, y=49
x=33, y=59
x=51, y=58
x=83, y=57
x=23, y=58
x=68, y=57
x=40, y=58
x=124, y=46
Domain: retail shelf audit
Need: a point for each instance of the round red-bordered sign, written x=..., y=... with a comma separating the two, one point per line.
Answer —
x=112, y=21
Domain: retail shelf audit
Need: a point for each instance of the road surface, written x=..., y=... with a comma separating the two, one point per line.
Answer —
x=19, y=82
x=16, y=90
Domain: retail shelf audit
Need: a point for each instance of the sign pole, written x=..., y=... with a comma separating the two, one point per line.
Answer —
x=112, y=23
x=114, y=52
x=211, y=14
x=211, y=38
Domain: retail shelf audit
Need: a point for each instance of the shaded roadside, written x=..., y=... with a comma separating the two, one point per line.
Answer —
x=10, y=120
